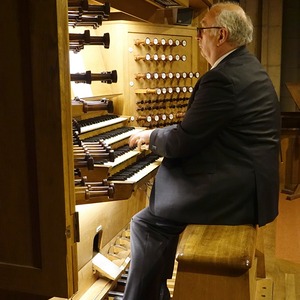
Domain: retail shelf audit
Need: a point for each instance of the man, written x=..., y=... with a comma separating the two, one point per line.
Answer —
x=220, y=163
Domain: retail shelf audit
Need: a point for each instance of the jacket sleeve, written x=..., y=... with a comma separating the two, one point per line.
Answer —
x=212, y=108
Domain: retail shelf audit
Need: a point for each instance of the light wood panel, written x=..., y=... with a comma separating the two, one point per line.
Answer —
x=121, y=56
x=37, y=253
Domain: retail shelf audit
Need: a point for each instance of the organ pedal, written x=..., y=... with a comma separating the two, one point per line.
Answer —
x=123, y=242
x=112, y=263
x=119, y=251
x=118, y=291
x=108, y=268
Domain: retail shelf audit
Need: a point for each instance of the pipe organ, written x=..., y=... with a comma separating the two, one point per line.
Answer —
x=71, y=182
x=125, y=77
x=78, y=86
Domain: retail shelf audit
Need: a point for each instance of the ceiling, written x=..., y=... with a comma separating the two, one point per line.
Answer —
x=145, y=9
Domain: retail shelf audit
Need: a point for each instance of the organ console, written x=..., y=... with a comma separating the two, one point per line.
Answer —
x=72, y=201
x=152, y=91
x=79, y=180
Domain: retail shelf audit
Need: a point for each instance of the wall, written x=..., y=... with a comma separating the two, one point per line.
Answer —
x=266, y=16
x=290, y=52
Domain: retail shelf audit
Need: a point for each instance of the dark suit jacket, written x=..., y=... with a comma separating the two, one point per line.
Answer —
x=221, y=162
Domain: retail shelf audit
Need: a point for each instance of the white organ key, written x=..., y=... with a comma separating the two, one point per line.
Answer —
x=102, y=124
x=122, y=158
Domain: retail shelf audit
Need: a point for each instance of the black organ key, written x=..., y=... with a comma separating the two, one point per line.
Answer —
x=108, y=134
x=134, y=168
x=122, y=150
x=78, y=124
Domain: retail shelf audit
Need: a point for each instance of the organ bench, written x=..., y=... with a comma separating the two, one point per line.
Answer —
x=219, y=262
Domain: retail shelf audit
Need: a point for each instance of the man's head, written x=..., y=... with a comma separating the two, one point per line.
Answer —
x=224, y=27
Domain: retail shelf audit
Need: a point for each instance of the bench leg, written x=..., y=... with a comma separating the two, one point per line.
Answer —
x=259, y=254
x=215, y=287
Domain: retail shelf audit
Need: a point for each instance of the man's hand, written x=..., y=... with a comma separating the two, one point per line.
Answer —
x=140, y=138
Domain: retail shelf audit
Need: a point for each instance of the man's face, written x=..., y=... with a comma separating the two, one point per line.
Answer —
x=207, y=39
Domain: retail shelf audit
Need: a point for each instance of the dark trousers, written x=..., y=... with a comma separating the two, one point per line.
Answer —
x=153, y=249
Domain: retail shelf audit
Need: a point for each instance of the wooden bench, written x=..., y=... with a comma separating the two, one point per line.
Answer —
x=218, y=263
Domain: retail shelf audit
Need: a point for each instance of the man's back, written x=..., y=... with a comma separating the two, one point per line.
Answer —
x=229, y=144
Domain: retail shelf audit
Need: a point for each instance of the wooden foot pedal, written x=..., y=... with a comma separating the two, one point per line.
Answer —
x=108, y=268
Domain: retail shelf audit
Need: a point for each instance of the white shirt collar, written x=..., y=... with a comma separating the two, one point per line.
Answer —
x=221, y=58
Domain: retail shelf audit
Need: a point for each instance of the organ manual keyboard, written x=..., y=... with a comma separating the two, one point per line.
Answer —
x=60, y=238
x=129, y=168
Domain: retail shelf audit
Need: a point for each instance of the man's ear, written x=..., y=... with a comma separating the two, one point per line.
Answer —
x=223, y=36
